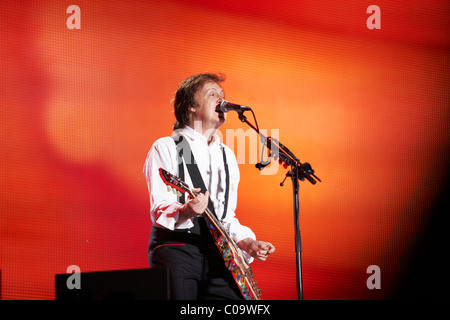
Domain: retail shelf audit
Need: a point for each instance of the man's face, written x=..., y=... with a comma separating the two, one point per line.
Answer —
x=207, y=98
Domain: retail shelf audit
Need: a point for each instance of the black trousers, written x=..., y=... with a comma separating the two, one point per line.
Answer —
x=196, y=268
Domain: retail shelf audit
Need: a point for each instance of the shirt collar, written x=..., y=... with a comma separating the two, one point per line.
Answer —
x=194, y=135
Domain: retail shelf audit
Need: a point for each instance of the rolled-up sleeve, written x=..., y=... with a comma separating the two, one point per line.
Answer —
x=164, y=205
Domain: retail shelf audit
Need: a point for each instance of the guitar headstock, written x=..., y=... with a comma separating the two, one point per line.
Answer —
x=173, y=181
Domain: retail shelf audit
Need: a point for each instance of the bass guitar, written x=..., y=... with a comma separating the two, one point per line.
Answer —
x=232, y=255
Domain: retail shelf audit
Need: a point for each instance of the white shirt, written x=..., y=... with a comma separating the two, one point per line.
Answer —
x=164, y=205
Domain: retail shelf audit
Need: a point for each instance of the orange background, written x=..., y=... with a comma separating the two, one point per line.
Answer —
x=369, y=109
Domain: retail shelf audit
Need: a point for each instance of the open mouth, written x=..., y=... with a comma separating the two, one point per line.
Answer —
x=221, y=114
x=219, y=111
x=219, y=107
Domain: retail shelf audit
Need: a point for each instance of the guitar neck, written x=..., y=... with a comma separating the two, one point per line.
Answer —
x=218, y=226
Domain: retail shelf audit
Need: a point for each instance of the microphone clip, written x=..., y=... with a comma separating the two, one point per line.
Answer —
x=262, y=165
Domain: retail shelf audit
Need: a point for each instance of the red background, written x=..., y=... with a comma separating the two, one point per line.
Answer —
x=369, y=109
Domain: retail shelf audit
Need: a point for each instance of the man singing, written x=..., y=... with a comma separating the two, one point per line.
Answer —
x=180, y=240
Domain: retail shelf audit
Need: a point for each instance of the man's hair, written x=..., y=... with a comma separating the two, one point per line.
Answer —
x=184, y=97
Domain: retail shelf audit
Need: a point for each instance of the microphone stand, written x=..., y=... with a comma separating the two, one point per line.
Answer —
x=298, y=171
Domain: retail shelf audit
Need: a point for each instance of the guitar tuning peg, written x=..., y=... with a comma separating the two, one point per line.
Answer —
x=169, y=189
x=179, y=194
x=174, y=190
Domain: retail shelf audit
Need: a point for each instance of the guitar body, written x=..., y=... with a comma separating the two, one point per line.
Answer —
x=232, y=255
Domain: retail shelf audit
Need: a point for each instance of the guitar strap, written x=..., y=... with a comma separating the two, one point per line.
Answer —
x=183, y=149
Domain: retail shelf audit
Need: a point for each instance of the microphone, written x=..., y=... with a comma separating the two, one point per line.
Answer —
x=226, y=106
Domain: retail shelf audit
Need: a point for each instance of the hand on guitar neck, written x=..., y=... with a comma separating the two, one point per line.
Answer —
x=196, y=206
